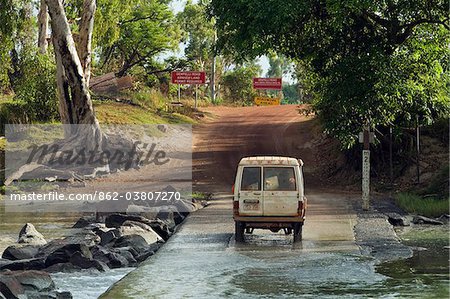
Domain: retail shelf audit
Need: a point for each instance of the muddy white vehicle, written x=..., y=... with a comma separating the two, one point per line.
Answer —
x=269, y=194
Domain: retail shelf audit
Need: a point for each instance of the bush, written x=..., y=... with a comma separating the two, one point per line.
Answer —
x=37, y=87
x=148, y=98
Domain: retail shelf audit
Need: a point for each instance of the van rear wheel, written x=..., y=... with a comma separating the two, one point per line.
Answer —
x=239, y=228
x=298, y=227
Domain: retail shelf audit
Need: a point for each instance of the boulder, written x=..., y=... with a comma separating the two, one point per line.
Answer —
x=65, y=252
x=63, y=268
x=135, y=241
x=397, y=220
x=124, y=252
x=151, y=249
x=84, y=222
x=28, y=264
x=29, y=235
x=80, y=260
x=111, y=259
x=29, y=284
x=426, y=220
x=167, y=216
x=143, y=230
x=15, y=252
x=107, y=235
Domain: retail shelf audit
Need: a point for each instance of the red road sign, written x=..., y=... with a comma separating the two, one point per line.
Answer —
x=188, y=77
x=267, y=83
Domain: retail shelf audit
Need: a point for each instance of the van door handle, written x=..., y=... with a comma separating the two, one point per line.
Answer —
x=256, y=193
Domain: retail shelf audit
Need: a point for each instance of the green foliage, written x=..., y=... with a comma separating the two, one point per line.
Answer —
x=148, y=98
x=237, y=83
x=429, y=207
x=37, y=87
x=141, y=30
x=376, y=62
x=199, y=34
x=290, y=94
x=278, y=66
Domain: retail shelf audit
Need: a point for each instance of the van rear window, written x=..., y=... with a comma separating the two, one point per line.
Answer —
x=251, y=179
x=279, y=179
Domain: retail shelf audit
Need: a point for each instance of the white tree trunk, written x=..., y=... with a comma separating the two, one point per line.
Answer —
x=43, y=26
x=74, y=98
x=85, y=39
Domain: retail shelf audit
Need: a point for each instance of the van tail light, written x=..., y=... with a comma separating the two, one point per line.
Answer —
x=236, y=207
x=300, y=208
x=232, y=189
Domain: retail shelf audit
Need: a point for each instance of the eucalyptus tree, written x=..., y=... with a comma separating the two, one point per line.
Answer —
x=374, y=62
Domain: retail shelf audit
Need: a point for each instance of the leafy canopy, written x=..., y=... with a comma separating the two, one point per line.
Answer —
x=377, y=62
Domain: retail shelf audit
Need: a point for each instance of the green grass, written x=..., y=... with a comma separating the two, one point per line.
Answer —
x=2, y=144
x=120, y=113
x=429, y=207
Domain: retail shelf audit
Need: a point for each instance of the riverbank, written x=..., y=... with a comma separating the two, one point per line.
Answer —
x=106, y=250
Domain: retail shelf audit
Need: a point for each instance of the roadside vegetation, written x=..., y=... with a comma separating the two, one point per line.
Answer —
x=425, y=206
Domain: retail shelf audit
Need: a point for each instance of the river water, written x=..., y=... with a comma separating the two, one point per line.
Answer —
x=266, y=268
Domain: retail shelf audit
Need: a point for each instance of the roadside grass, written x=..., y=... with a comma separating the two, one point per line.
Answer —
x=108, y=112
x=429, y=207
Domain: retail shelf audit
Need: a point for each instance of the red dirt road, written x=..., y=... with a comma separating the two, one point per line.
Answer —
x=233, y=133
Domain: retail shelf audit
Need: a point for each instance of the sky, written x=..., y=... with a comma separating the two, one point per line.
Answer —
x=263, y=61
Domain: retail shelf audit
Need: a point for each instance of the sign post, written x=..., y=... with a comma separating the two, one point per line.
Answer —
x=267, y=83
x=186, y=77
x=366, y=170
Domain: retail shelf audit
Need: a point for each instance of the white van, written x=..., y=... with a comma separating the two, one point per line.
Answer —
x=269, y=194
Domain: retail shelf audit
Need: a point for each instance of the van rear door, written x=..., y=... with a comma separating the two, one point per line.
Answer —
x=250, y=191
x=280, y=190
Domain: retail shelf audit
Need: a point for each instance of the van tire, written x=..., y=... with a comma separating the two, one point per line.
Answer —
x=239, y=228
x=298, y=227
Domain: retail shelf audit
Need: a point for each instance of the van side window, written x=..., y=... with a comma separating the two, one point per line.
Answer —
x=251, y=179
x=279, y=179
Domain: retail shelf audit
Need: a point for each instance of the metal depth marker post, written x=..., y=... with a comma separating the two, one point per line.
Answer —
x=366, y=170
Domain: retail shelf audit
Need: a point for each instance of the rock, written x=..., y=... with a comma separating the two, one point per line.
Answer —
x=15, y=252
x=397, y=220
x=167, y=216
x=28, y=264
x=124, y=252
x=29, y=235
x=163, y=128
x=27, y=284
x=116, y=220
x=85, y=237
x=63, y=268
x=80, y=260
x=426, y=220
x=148, y=252
x=143, y=230
x=135, y=241
x=107, y=235
x=111, y=259
x=84, y=221
x=64, y=253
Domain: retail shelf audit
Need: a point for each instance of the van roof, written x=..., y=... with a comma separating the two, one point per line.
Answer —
x=271, y=160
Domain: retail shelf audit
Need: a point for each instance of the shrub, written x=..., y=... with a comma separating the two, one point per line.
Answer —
x=37, y=87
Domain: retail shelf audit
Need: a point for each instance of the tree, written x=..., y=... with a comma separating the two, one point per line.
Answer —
x=75, y=101
x=278, y=65
x=348, y=46
x=238, y=82
x=43, y=27
x=143, y=30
